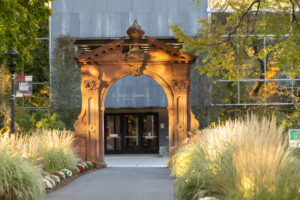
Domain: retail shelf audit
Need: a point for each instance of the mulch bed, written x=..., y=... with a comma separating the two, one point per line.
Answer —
x=66, y=181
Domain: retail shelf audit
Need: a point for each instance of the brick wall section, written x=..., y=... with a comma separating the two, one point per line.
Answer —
x=80, y=146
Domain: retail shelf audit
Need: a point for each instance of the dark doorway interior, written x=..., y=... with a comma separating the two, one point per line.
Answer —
x=131, y=133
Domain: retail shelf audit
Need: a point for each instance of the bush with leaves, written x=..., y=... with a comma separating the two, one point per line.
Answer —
x=29, y=121
x=39, y=119
x=46, y=120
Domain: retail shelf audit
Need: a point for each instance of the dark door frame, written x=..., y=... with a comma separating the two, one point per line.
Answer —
x=124, y=128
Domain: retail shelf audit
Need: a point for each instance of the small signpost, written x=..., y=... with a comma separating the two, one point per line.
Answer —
x=24, y=86
x=294, y=138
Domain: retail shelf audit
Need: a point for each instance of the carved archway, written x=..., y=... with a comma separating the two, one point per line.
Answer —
x=105, y=65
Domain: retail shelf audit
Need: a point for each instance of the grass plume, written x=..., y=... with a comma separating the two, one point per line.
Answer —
x=242, y=159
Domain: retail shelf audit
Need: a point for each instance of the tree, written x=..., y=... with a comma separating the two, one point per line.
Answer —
x=258, y=39
x=19, y=25
x=4, y=85
x=39, y=67
x=65, y=81
x=249, y=39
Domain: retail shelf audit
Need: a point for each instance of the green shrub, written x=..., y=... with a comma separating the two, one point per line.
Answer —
x=74, y=170
x=24, y=120
x=39, y=119
x=47, y=120
x=57, y=158
x=19, y=179
x=90, y=165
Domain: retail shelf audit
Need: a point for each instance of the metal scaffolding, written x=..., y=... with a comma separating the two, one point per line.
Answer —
x=294, y=84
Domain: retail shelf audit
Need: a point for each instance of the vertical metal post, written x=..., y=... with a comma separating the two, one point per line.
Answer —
x=293, y=84
x=50, y=55
x=12, y=69
x=239, y=92
x=238, y=82
x=12, y=103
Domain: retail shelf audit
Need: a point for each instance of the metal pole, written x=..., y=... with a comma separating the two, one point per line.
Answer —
x=12, y=68
x=12, y=104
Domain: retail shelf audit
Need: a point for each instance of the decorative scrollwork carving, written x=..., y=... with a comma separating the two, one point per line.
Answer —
x=92, y=128
x=136, y=61
x=180, y=128
x=135, y=70
x=180, y=85
x=80, y=124
x=194, y=122
x=91, y=84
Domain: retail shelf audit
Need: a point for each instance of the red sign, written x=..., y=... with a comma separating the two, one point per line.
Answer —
x=23, y=86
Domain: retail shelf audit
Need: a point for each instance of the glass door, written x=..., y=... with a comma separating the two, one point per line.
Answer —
x=113, y=134
x=131, y=133
x=149, y=132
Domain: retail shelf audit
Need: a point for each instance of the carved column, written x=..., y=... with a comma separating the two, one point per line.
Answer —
x=101, y=138
x=89, y=122
x=90, y=95
x=171, y=114
x=181, y=123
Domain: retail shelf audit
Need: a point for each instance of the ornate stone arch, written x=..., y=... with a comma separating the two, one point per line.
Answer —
x=103, y=66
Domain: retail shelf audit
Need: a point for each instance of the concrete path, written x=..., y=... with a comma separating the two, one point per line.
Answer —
x=136, y=160
x=119, y=184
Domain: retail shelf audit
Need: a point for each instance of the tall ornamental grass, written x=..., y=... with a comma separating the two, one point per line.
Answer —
x=242, y=159
x=56, y=149
x=58, y=158
x=51, y=149
x=20, y=155
x=19, y=179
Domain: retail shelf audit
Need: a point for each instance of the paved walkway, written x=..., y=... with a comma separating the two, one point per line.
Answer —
x=136, y=160
x=119, y=184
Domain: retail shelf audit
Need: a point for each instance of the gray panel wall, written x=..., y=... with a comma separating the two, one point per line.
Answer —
x=111, y=18
x=139, y=91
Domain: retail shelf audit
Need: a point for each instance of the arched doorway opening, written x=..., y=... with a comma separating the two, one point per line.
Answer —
x=102, y=67
x=136, y=117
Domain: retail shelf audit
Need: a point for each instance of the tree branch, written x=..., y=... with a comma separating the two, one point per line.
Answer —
x=298, y=3
x=262, y=69
x=294, y=19
x=242, y=18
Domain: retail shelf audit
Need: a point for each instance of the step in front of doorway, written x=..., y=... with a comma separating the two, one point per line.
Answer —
x=125, y=160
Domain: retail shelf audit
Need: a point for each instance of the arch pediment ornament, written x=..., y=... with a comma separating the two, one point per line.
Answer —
x=111, y=52
x=103, y=66
x=136, y=59
x=175, y=55
x=133, y=55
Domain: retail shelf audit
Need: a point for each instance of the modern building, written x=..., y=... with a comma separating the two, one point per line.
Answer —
x=136, y=107
x=136, y=115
